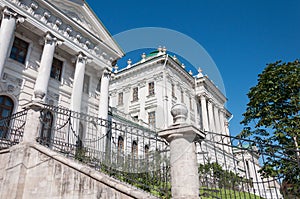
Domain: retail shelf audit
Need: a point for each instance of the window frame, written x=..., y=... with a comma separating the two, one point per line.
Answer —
x=4, y=129
x=151, y=88
x=55, y=67
x=135, y=94
x=28, y=49
x=134, y=148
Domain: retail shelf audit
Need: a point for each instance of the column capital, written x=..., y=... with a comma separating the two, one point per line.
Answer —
x=106, y=73
x=82, y=58
x=49, y=38
x=203, y=95
x=210, y=101
x=8, y=13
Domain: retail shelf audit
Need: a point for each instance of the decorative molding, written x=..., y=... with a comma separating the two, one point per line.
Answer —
x=141, y=83
x=158, y=77
x=8, y=13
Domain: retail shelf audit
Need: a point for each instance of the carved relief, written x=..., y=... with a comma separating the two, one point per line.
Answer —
x=11, y=84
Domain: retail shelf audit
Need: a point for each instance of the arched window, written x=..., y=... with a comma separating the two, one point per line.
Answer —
x=134, y=149
x=120, y=144
x=6, y=109
x=146, y=151
x=47, y=121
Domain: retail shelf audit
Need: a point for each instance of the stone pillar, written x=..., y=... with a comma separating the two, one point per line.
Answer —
x=8, y=25
x=103, y=114
x=183, y=160
x=103, y=102
x=212, y=127
x=204, y=113
x=32, y=125
x=78, y=83
x=41, y=83
x=217, y=119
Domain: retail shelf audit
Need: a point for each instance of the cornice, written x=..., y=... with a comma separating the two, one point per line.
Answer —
x=211, y=88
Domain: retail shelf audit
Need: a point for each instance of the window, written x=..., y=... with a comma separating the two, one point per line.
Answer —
x=151, y=119
x=135, y=94
x=19, y=50
x=182, y=96
x=120, y=158
x=56, y=69
x=134, y=149
x=86, y=84
x=47, y=121
x=99, y=86
x=120, y=99
x=173, y=90
x=6, y=109
x=146, y=151
x=151, y=88
x=120, y=144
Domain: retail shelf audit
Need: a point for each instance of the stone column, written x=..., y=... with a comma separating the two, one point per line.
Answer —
x=41, y=83
x=184, y=169
x=8, y=25
x=78, y=83
x=103, y=102
x=103, y=114
x=204, y=113
x=212, y=127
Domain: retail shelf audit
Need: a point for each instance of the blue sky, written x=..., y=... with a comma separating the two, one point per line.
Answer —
x=241, y=36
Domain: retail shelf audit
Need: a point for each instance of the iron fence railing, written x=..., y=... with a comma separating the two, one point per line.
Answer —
x=233, y=167
x=12, y=129
x=129, y=152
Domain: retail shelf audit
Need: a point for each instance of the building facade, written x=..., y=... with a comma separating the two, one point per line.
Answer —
x=55, y=52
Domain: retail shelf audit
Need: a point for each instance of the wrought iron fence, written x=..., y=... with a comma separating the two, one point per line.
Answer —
x=12, y=129
x=121, y=149
x=233, y=167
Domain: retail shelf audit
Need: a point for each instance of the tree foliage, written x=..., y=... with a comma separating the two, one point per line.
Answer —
x=272, y=119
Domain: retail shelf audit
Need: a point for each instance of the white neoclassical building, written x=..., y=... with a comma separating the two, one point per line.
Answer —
x=56, y=52
x=149, y=88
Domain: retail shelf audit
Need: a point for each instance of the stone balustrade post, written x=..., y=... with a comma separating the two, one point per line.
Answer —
x=32, y=125
x=183, y=160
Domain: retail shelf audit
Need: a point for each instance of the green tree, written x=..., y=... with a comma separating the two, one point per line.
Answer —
x=272, y=119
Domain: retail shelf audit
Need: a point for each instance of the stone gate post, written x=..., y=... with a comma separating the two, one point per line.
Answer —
x=32, y=124
x=184, y=169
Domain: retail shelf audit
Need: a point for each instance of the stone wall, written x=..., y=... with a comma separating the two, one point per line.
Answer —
x=30, y=171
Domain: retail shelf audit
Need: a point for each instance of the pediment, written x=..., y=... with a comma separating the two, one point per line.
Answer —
x=80, y=12
x=75, y=9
